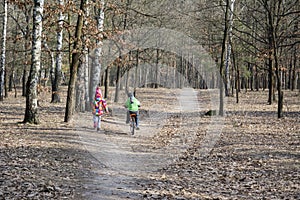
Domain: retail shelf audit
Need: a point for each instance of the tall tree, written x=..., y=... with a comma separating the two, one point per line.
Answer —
x=228, y=54
x=225, y=35
x=31, y=111
x=3, y=50
x=58, y=66
x=27, y=33
x=96, y=67
x=82, y=85
x=75, y=63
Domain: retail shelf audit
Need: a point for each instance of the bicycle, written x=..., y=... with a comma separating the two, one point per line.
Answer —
x=132, y=123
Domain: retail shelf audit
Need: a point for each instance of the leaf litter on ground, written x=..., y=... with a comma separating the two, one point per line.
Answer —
x=257, y=155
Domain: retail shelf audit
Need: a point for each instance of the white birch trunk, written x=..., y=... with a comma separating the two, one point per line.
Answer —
x=82, y=98
x=3, y=50
x=96, y=68
x=61, y=18
x=86, y=82
x=85, y=66
x=31, y=112
x=227, y=61
x=58, y=64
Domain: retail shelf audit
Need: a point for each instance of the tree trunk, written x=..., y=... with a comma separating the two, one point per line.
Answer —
x=236, y=80
x=6, y=78
x=3, y=50
x=225, y=34
x=118, y=80
x=51, y=58
x=251, y=78
x=86, y=81
x=227, y=70
x=12, y=81
x=157, y=69
x=85, y=66
x=96, y=68
x=294, y=66
x=75, y=63
x=82, y=103
x=127, y=79
x=127, y=73
x=80, y=88
x=106, y=82
x=270, y=74
x=31, y=111
x=146, y=74
x=136, y=70
x=58, y=65
x=27, y=35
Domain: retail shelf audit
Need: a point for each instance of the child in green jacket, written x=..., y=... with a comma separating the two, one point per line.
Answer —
x=132, y=104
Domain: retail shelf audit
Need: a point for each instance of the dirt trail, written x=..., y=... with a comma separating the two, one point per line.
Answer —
x=126, y=162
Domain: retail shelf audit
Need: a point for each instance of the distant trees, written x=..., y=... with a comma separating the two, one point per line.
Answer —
x=261, y=38
x=263, y=44
x=266, y=32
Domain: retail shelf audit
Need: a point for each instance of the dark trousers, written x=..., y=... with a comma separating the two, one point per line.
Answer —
x=136, y=118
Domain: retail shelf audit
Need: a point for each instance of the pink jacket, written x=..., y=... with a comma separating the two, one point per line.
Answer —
x=99, y=107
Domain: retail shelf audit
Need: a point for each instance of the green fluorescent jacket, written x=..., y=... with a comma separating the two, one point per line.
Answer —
x=134, y=106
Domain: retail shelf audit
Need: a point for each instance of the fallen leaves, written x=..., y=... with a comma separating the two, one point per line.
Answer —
x=39, y=161
x=256, y=157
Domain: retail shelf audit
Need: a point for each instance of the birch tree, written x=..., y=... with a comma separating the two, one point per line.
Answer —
x=82, y=87
x=58, y=64
x=31, y=111
x=3, y=50
x=225, y=35
x=96, y=67
x=227, y=62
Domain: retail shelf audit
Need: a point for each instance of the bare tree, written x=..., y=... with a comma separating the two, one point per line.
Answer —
x=96, y=67
x=75, y=63
x=26, y=33
x=31, y=112
x=3, y=50
x=276, y=12
x=225, y=35
x=82, y=85
x=229, y=44
x=58, y=64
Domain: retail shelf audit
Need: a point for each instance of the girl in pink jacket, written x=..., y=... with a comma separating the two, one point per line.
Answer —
x=99, y=107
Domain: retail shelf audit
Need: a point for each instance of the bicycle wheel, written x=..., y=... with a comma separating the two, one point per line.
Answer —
x=132, y=125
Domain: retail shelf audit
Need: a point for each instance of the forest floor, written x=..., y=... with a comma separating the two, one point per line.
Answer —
x=179, y=152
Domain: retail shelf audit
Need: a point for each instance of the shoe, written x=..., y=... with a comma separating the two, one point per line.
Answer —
x=137, y=128
x=98, y=129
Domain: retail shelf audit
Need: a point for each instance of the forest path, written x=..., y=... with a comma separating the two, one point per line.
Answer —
x=125, y=162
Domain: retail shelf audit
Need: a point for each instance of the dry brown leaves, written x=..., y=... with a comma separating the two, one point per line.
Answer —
x=39, y=161
x=257, y=156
